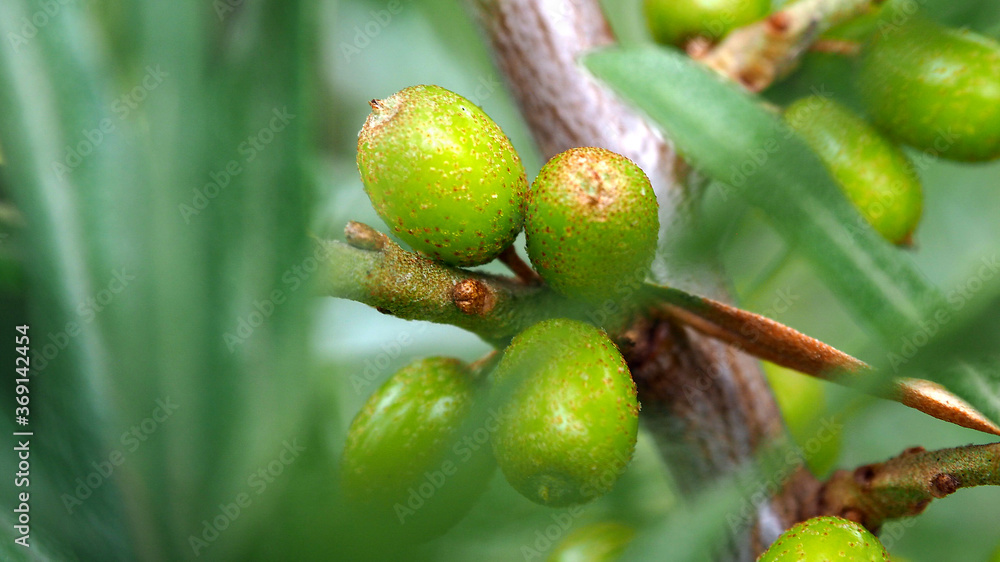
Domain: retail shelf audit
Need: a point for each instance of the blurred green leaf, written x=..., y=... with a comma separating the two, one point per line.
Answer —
x=49, y=90
x=167, y=208
x=727, y=134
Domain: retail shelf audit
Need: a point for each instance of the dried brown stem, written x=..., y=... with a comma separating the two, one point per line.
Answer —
x=764, y=338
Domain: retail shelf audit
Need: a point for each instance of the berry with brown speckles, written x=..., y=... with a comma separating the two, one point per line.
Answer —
x=592, y=224
x=402, y=441
x=442, y=175
x=936, y=89
x=569, y=414
x=826, y=539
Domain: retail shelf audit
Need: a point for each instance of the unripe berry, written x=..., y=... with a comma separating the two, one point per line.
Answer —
x=871, y=171
x=442, y=175
x=936, y=89
x=673, y=22
x=399, y=468
x=597, y=542
x=823, y=539
x=592, y=223
x=569, y=415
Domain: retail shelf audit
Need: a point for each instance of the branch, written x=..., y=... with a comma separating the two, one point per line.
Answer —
x=905, y=485
x=372, y=269
x=758, y=54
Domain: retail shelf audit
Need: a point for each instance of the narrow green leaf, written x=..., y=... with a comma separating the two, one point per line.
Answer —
x=728, y=135
x=49, y=91
x=748, y=151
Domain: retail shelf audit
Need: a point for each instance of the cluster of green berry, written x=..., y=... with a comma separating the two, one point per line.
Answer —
x=559, y=409
x=933, y=88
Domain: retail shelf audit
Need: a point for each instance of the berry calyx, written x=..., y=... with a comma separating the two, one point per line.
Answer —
x=569, y=414
x=592, y=224
x=823, y=539
x=872, y=172
x=403, y=439
x=936, y=89
x=442, y=175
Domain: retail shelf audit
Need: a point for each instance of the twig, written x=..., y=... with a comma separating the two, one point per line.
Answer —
x=372, y=269
x=758, y=54
x=905, y=485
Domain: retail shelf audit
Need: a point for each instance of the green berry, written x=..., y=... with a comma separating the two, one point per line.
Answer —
x=592, y=224
x=569, y=415
x=802, y=400
x=872, y=171
x=597, y=542
x=399, y=468
x=674, y=22
x=826, y=539
x=442, y=175
x=936, y=89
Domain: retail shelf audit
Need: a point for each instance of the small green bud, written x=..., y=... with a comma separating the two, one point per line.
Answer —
x=871, y=171
x=592, y=224
x=821, y=539
x=936, y=89
x=569, y=414
x=442, y=175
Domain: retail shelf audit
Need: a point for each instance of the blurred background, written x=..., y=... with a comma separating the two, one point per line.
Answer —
x=164, y=165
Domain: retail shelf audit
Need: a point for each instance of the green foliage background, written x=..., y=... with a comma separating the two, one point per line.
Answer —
x=200, y=276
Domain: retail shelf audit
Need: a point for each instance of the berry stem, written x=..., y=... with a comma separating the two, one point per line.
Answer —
x=519, y=267
x=758, y=54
